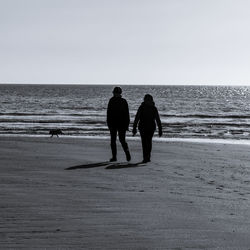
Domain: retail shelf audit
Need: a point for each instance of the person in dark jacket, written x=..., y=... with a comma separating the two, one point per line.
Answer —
x=147, y=115
x=118, y=122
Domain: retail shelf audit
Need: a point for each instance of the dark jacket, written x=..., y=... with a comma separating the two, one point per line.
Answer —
x=146, y=115
x=118, y=113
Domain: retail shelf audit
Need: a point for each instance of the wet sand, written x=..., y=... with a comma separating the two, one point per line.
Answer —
x=191, y=196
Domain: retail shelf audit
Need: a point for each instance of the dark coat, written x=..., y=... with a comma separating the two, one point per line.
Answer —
x=118, y=113
x=147, y=115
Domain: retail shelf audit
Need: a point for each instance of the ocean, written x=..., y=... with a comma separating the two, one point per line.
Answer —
x=213, y=112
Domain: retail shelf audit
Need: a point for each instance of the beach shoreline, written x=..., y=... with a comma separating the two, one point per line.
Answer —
x=137, y=138
x=192, y=195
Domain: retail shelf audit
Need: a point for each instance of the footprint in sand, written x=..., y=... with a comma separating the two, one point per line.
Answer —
x=220, y=187
x=211, y=182
x=199, y=177
x=179, y=174
x=233, y=177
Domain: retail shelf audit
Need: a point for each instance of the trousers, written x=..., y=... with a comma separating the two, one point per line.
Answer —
x=122, y=136
x=146, y=140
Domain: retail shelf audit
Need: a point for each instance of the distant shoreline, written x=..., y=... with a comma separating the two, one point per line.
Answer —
x=137, y=138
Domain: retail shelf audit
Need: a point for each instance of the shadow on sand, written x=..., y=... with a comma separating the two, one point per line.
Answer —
x=106, y=164
x=124, y=165
x=90, y=165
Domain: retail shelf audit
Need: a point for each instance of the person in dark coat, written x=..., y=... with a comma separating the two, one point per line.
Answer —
x=118, y=122
x=146, y=116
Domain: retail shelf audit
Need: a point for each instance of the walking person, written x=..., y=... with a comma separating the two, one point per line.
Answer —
x=118, y=122
x=146, y=116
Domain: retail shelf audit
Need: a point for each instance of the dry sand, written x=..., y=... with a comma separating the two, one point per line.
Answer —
x=191, y=196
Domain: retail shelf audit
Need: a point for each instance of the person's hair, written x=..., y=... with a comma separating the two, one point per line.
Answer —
x=117, y=90
x=148, y=98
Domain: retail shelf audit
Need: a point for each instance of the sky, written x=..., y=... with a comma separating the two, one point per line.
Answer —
x=125, y=41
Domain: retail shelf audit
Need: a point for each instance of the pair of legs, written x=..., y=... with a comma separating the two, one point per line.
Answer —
x=121, y=135
x=146, y=140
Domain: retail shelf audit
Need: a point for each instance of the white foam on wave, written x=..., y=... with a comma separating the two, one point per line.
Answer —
x=202, y=140
x=193, y=140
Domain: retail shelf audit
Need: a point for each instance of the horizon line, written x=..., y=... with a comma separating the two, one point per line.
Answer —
x=133, y=84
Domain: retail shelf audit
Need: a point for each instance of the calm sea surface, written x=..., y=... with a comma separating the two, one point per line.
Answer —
x=186, y=111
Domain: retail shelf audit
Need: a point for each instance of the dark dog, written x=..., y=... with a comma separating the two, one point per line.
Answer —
x=56, y=132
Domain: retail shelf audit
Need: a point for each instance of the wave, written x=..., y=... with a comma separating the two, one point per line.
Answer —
x=46, y=114
x=102, y=122
x=208, y=116
x=206, y=124
x=79, y=108
x=97, y=113
x=94, y=122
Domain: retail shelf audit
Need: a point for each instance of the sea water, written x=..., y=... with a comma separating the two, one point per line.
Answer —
x=210, y=112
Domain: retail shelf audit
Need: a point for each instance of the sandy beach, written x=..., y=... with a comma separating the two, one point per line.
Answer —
x=191, y=196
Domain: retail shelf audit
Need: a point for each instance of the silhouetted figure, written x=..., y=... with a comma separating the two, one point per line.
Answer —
x=146, y=115
x=56, y=132
x=118, y=122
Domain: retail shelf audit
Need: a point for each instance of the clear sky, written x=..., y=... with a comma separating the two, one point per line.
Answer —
x=125, y=41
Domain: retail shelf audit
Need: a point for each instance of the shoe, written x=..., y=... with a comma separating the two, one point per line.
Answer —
x=145, y=161
x=128, y=156
x=113, y=159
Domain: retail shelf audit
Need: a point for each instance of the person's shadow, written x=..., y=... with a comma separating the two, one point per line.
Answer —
x=90, y=165
x=107, y=164
x=124, y=165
